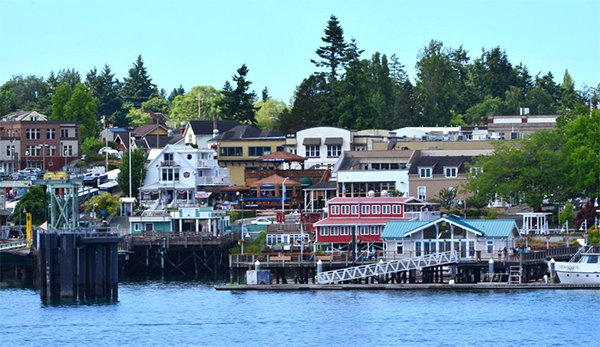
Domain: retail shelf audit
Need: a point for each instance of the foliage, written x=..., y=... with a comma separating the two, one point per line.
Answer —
x=34, y=201
x=175, y=92
x=238, y=103
x=157, y=105
x=567, y=214
x=138, y=172
x=137, y=117
x=61, y=97
x=490, y=106
x=107, y=90
x=490, y=213
x=587, y=213
x=138, y=86
x=268, y=113
x=91, y=144
x=26, y=93
x=82, y=108
x=446, y=198
x=106, y=201
x=594, y=236
x=252, y=247
x=185, y=107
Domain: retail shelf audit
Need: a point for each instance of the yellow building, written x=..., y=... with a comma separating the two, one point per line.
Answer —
x=238, y=148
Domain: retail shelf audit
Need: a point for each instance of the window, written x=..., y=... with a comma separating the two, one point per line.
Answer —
x=396, y=209
x=425, y=172
x=354, y=209
x=399, y=247
x=324, y=231
x=376, y=209
x=313, y=151
x=475, y=171
x=490, y=246
x=231, y=151
x=375, y=230
x=50, y=151
x=334, y=231
x=137, y=226
x=67, y=150
x=345, y=209
x=421, y=193
x=34, y=151
x=10, y=150
x=279, y=149
x=169, y=174
x=257, y=151
x=450, y=171
x=32, y=134
x=334, y=151
x=345, y=230
x=149, y=226
x=366, y=209
x=385, y=209
x=50, y=134
x=168, y=156
x=64, y=133
x=335, y=209
x=364, y=230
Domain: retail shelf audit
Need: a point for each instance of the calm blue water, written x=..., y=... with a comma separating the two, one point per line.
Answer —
x=158, y=313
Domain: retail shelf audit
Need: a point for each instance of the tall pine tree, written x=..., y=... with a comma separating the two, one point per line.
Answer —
x=138, y=86
x=238, y=103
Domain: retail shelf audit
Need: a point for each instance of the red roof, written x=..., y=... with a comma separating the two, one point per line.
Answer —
x=281, y=156
x=275, y=180
x=374, y=200
x=358, y=221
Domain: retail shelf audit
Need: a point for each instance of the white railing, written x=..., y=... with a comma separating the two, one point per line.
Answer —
x=386, y=268
x=13, y=245
x=213, y=180
x=425, y=216
x=204, y=163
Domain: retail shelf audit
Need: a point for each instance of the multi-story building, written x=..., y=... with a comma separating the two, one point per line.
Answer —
x=239, y=147
x=323, y=146
x=199, y=132
x=181, y=175
x=515, y=127
x=29, y=139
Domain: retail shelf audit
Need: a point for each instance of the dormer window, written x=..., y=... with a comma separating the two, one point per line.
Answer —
x=425, y=172
x=335, y=209
x=450, y=172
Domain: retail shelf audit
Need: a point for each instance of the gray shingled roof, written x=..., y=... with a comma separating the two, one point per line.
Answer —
x=438, y=164
x=244, y=132
x=205, y=127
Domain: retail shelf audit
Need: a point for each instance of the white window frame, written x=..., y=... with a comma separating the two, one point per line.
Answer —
x=334, y=231
x=385, y=209
x=344, y=230
x=366, y=209
x=334, y=151
x=425, y=172
x=345, y=209
x=335, y=209
x=422, y=196
x=364, y=230
x=375, y=229
x=376, y=209
x=313, y=151
x=354, y=209
x=137, y=226
x=396, y=209
x=400, y=244
x=451, y=172
x=489, y=246
x=324, y=231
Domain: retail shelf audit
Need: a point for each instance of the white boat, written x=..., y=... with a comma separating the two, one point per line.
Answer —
x=584, y=271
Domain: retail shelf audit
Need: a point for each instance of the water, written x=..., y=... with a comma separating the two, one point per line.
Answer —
x=154, y=313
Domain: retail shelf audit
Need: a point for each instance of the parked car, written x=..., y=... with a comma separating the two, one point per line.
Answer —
x=2, y=172
x=111, y=152
x=261, y=221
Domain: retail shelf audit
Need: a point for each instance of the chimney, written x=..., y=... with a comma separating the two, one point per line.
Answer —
x=215, y=128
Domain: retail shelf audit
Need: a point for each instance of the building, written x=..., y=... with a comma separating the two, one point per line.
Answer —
x=29, y=139
x=323, y=146
x=365, y=218
x=472, y=239
x=515, y=127
x=358, y=172
x=185, y=219
x=428, y=133
x=181, y=175
x=199, y=132
x=239, y=148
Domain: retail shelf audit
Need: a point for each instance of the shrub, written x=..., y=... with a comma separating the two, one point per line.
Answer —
x=490, y=213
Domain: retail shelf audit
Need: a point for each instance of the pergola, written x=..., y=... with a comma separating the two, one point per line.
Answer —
x=281, y=158
x=273, y=184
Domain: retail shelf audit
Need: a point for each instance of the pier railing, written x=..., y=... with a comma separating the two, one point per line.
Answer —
x=180, y=239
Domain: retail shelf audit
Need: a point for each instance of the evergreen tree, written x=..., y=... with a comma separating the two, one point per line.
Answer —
x=107, y=90
x=265, y=95
x=310, y=106
x=175, y=92
x=568, y=96
x=333, y=54
x=59, y=100
x=226, y=102
x=138, y=86
x=493, y=73
x=82, y=107
x=138, y=172
x=238, y=103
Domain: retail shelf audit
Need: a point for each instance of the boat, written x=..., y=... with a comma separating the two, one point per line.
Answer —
x=586, y=270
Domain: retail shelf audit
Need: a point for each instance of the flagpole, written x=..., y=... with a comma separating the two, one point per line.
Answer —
x=130, y=195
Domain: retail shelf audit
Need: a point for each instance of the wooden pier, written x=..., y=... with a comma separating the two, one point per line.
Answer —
x=445, y=287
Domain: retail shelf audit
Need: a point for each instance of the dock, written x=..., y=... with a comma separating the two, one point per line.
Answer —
x=420, y=286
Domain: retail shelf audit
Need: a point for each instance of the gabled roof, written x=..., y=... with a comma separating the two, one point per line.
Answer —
x=281, y=156
x=481, y=227
x=438, y=164
x=18, y=116
x=143, y=130
x=205, y=127
x=151, y=141
x=275, y=180
x=247, y=132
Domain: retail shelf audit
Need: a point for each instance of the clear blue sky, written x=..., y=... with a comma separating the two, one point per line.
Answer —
x=204, y=42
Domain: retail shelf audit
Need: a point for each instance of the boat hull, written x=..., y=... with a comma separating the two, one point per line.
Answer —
x=577, y=273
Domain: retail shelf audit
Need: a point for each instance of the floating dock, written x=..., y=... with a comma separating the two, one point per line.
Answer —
x=417, y=286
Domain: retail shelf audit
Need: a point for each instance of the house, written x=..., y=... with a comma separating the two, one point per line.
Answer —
x=323, y=146
x=185, y=219
x=274, y=192
x=140, y=133
x=29, y=139
x=428, y=175
x=148, y=143
x=365, y=218
x=239, y=148
x=199, y=132
x=182, y=175
x=358, y=172
x=471, y=238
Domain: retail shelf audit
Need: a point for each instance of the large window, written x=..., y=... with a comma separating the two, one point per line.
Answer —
x=50, y=151
x=421, y=193
x=425, y=172
x=257, y=151
x=366, y=209
x=345, y=230
x=354, y=209
x=64, y=133
x=324, y=231
x=32, y=134
x=231, y=151
x=385, y=209
x=313, y=151
x=334, y=151
x=334, y=231
x=34, y=151
x=67, y=150
x=375, y=230
x=450, y=171
x=170, y=174
x=364, y=230
x=50, y=134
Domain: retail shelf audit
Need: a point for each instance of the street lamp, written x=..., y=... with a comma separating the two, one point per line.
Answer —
x=66, y=153
x=283, y=200
x=26, y=159
x=106, y=138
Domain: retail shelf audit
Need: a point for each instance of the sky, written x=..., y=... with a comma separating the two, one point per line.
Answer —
x=204, y=42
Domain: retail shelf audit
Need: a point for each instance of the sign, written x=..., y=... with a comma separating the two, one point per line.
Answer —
x=44, y=226
x=103, y=212
x=202, y=195
x=186, y=174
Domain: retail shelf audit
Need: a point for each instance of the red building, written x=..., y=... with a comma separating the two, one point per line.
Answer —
x=364, y=218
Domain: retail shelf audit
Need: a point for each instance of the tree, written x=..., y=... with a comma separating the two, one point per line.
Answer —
x=185, y=107
x=540, y=101
x=447, y=198
x=82, y=108
x=567, y=214
x=310, y=106
x=586, y=216
x=137, y=117
x=105, y=202
x=268, y=113
x=354, y=108
x=138, y=172
x=238, y=103
x=138, y=86
x=490, y=106
x=157, y=105
x=59, y=101
x=493, y=73
x=568, y=96
x=34, y=201
x=265, y=95
x=107, y=90
x=175, y=92
x=31, y=93
x=333, y=54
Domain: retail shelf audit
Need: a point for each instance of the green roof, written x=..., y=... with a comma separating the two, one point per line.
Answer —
x=400, y=229
x=493, y=227
x=249, y=227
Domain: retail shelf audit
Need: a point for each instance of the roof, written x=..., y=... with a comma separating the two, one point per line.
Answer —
x=275, y=180
x=482, y=227
x=352, y=159
x=401, y=229
x=311, y=141
x=281, y=156
x=150, y=141
x=493, y=227
x=438, y=164
x=359, y=221
x=375, y=200
x=327, y=185
x=247, y=132
x=205, y=127
x=144, y=129
x=19, y=115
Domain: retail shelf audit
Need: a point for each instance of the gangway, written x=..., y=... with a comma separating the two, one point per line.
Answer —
x=387, y=268
x=7, y=246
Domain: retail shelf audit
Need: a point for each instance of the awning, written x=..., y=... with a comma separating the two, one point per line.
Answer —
x=311, y=141
x=333, y=141
x=203, y=195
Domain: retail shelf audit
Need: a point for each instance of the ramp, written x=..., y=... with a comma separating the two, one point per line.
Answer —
x=387, y=268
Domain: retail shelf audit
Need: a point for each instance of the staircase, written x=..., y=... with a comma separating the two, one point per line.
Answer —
x=387, y=268
x=514, y=276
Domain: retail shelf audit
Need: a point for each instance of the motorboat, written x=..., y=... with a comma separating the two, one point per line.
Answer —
x=586, y=270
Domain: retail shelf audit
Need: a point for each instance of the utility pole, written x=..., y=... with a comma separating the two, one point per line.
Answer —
x=199, y=99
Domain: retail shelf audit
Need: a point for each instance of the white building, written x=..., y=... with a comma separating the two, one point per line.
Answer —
x=429, y=133
x=181, y=175
x=199, y=132
x=323, y=146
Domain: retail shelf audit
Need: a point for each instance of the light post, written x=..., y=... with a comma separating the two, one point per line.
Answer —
x=283, y=200
x=106, y=138
x=66, y=153
x=43, y=147
x=26, y=159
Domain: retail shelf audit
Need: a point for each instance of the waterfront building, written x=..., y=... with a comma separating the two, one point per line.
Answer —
x=180, y=175
x=362, y=219
x=517, y=126
x=29, y=139
x=184, y=219
x=200, y=132
x=472, y=238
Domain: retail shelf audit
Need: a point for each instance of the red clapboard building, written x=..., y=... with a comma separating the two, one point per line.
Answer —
x=365, y=218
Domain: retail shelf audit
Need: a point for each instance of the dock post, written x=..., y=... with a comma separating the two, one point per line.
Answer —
x=551, y=265
x=319, y=266
x=491, y=269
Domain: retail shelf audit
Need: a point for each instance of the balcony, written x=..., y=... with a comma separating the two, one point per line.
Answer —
x=207, y=163
x=168, y=163
x=213, y=181
x=424, y=216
